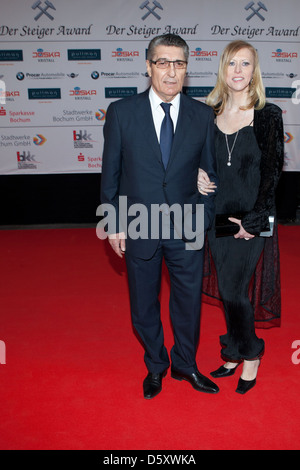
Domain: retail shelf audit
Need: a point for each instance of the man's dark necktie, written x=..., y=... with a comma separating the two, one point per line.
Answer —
x=166, y=134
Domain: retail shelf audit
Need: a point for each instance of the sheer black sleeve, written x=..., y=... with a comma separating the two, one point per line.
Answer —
x=268, y=129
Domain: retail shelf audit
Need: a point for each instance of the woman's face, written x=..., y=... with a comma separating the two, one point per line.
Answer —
x=240, y=70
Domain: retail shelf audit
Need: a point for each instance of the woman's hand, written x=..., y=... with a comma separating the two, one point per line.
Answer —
x=204, y=184
x=242, y=232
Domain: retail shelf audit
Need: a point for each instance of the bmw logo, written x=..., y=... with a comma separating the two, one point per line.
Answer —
x=95, y=75
x=20, y=76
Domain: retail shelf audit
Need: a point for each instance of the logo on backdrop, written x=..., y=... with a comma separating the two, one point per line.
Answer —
x=201, y=54
x=284, y=56
x=11, y=55
x=6, y=95
x=2, y=92
x=100, y=115
x=288, y=137
x=80, y=94
x=296, y=94
x=151, y=11
x=39, y=139
x=26, y=161
x=255, y=11
x=45, y=56
x=291, y=75
x=43, y=10
x=84, y=54
x=121, y=55
x=91, y=162
x=44, y=93
x=82, y=139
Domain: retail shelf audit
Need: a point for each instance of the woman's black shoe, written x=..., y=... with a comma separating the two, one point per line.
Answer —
x=245, y=385
x=223, y=372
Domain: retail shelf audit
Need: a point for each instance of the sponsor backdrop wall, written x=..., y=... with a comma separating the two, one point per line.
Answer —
x=62, y=63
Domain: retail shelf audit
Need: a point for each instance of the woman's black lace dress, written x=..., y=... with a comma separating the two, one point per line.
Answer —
x=241, y=270
x=235, y=259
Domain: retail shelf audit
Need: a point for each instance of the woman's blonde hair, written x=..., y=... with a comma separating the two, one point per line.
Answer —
x=218, y=97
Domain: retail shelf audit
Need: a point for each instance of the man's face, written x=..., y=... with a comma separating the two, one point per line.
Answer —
x=167, y=83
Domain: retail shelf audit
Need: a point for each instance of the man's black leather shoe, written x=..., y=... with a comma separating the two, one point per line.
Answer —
x=197, y=380
x=152, y=384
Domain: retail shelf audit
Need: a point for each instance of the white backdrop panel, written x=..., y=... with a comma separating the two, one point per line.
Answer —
x=63, y=62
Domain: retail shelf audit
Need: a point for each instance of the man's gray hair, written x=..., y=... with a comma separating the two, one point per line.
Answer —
x=167, y=40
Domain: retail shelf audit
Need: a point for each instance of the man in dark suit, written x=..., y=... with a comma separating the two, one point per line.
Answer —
x=151, y=159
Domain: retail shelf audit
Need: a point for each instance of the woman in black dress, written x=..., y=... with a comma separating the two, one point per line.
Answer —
x=249, y=149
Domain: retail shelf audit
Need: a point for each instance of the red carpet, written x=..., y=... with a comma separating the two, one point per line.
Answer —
x=74, y=370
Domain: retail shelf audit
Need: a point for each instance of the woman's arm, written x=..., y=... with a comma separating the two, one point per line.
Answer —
x=268, y=128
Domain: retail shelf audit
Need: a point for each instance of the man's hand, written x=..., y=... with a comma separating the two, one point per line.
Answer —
x=117, y=242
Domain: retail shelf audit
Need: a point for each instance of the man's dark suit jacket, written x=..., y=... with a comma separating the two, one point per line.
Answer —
x=132, y=164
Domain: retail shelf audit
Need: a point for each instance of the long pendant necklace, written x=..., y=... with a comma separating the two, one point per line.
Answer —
x=230, y=150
